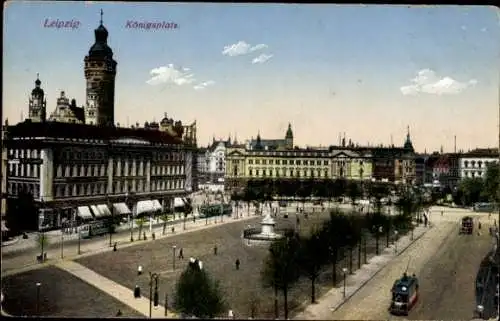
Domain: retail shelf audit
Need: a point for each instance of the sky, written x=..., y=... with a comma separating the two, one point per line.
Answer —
x=243, y=69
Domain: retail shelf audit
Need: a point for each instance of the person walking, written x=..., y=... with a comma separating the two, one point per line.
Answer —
x=181, y=254
x=215, y=249
x=237, y=264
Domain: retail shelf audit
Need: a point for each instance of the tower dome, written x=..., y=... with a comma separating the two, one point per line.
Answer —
x=100, y=48
x=37, y=91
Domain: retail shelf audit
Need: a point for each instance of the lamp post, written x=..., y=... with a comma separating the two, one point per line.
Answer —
x=364, y=246
x=62, y=245
x=38, y=285
x=111, y=223
x=131, y=220
x=79, y=241
x=378, y=232
x=151, y=277
x=173, y=256
x=395, y=242
x=344, y=270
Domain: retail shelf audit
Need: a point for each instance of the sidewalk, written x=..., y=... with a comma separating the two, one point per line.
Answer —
x=25, y=261
x=119, y=292
x=334, y=298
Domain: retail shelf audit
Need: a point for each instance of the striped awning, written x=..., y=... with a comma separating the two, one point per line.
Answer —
x=121, y=209
x=104, y=209
x=156, y=205
x=84, y=212
x=144, y=207
x=95, y=211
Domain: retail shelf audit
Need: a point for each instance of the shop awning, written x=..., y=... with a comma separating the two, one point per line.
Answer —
x=121, y=209
x=84, y=212
x=95, y=211
x=104, y=209
x=4, y=227
x=157, y=206
x=144, y=207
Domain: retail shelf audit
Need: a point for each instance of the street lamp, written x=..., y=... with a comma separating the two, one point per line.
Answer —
x=62, y=245
x=344, y=270
x=38, y=285
x=79, y=241
x=395, y=242
x=378, y=232
x=173, y=254
x=151, y=277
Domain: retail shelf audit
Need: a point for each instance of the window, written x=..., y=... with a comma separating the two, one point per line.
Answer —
x=325, y=162
x=264, y=162
x=271, y=162
x=298, y=162
x=291, y=162
x=257, y=161
x=250, y=172
x=250, y=161
x=256, y=172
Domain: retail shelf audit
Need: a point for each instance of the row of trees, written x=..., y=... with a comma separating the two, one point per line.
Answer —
x=266, y=189
x=294, y=256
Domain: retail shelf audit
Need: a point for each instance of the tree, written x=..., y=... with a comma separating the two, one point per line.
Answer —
x=280, y=267
x=42, y=241
x=197, y=294
x=186, y=210
x=490, y=189
x=313, y=254
x=472, y=189
x=140, y=223
x=376, y=192
x=353, y=191
x=24, y=204
x=333, y=235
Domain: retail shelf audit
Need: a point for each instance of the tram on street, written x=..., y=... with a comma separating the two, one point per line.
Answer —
x=467, y=225
x=404, y=295
x=94, y=229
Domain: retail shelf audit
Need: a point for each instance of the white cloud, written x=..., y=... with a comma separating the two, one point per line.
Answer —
x=171, y=75
x=204, y=85
x=428, y=82
x=261, y=59
x=241, y=48
x=484, y=29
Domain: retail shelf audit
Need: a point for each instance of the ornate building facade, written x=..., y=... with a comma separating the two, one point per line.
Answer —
x=262, y=159
x=78, y=165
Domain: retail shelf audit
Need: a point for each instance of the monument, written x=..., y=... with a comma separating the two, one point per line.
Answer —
x=266, y=234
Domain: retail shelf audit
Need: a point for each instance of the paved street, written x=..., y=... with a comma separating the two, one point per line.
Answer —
x=446, y=265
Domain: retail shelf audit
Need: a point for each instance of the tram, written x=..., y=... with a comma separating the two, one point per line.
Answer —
x=404, y=295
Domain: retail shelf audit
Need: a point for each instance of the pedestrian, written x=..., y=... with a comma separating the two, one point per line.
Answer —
x=215, y=249
x=173, y=229
x=139, y=270
x=137, y=291
x=230, y=314
x=114, y=247
x=181, y=254
x=237, y=264
x=442, y=212
x=119, y=313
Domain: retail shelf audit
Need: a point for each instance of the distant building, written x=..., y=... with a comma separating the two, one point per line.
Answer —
x=474, y=163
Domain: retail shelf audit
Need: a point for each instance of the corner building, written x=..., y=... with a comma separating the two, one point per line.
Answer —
x=84, y=167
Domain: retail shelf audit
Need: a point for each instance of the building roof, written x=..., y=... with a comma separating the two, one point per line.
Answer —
x=269, y=143
x=482, y=152
x=68, y=130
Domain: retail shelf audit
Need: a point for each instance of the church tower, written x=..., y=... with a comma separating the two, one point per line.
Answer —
x=100, y=72
x=408, y=144
x=289, y=137
x=37, y=103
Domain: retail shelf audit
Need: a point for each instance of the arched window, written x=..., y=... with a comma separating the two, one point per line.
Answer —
x=59, y=171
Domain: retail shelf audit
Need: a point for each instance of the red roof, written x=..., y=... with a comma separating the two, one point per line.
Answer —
x=69, y=130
